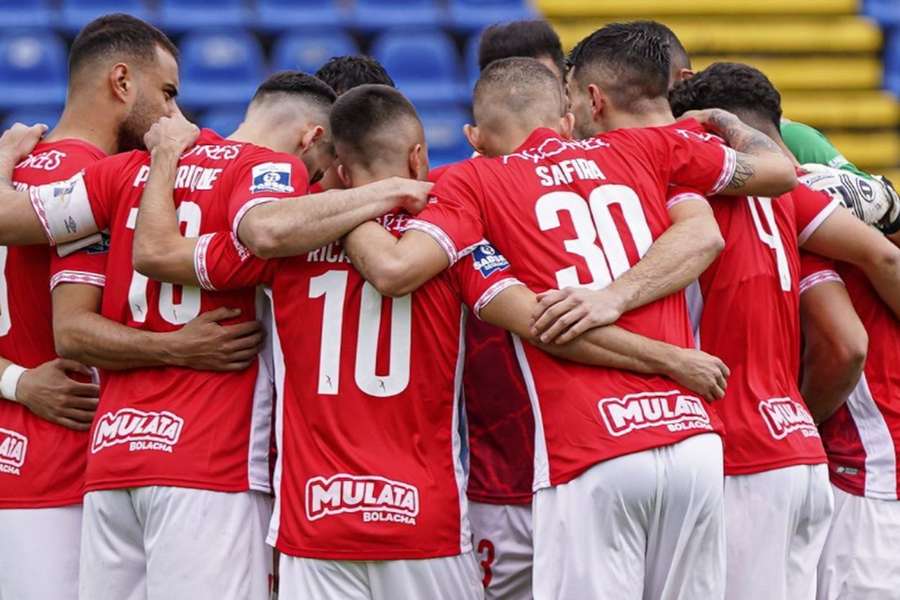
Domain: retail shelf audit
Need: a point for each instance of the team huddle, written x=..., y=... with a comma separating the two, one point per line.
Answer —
x=640, y=346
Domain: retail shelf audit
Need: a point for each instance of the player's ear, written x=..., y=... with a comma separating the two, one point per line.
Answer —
x=310, y=137
x=567, y=126
x=343, y=174
x=120, y=83
x=685, y=74
x=598, y=100
x=473, y=136
x=418, y=162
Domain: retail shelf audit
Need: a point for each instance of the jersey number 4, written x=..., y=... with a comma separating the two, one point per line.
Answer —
x=761, y=209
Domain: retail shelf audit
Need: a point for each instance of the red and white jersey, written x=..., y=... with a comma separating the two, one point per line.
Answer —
x=369, y=464
x=862, y=438
x=746, y=310
x=580, y=213
x=41, y=464
x=176, y=426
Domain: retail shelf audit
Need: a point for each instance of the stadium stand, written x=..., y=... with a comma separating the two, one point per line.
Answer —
x=26, y=13
x=75, y=14
x=425, y=66
x=285, y=15
x=32, y=69
x=177, y=16
x=443, y=127
x=219, y=69
x=375, y=15
x=308, y=51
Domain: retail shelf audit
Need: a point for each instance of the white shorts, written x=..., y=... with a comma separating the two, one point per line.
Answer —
x=447, y=578
x=503, y=547
x=39, y=550
x=646, y=525
x=168, y=543
x=776, y=523
x=861, y=558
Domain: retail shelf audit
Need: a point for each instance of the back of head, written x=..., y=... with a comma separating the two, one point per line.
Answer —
x=374, y=124
x=116, y=38
x=678, y=56
x=284, y=87
x=518, y=93
x=630, y=62
x=735, y=87
x=344, y=73
x=532, y=39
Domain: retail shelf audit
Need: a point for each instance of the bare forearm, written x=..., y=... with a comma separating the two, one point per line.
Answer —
x=616, y=348
x=99, y=342
x=827, y=383
x=885, y=278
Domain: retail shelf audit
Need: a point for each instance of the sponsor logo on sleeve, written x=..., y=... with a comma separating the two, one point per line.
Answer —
x=784, y=416
x=271, y=177
x=377, y=498
x=140, y=430
x=13, y=446
x=676, y=411
x=486, y=260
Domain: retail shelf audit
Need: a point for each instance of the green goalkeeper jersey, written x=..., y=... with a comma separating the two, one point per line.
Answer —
x=811, y=146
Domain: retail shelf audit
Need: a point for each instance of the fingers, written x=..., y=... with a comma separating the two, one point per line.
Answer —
x=550, y=315
x=72, y=424
x=244, y=343
x=546, y=300
x=83, y=403
x=220, y=314
x=582, y=325
x=77, y=415
x=563, y=323
x=85, y=390
x=73, y=366
x=244, y=355
x=242, y=329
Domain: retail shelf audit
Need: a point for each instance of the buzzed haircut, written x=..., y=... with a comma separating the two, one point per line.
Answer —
x=533, y=39
x=344, y=73
x=630, y=60
x=118, y=34
x=678, y=56
x=518, y=87
x=295, y=83
x=735, y=87
x=366, y=118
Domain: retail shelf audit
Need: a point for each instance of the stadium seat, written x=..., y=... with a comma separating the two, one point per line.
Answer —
x=892, y=63
x=223, y=122
x=26, y=13
x=375, y=15
x=48, y=116
x=425, y=66
x=471, y=15
x=75, y=14
x=219, y=69
x=32, y=70
x=310, y=50
x=283, y=15
x=178, y=16
x=886, y=12
x=471, y=60
x=444, y=134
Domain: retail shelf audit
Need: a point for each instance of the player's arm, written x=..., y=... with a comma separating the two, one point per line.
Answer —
x=674, y=260
x=845, y=238
x=835, y=344
x=82, y=334
x=612, y=347
x=761, y=168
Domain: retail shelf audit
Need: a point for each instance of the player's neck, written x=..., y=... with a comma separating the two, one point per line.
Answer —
x=89, y=125
x=362, y=177
x=646, y=113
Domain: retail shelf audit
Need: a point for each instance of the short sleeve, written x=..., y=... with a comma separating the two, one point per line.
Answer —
x=264, y=176
x=677, y=195
x=482, y=274
x=221, y=262
x=812, y=209
x=814, y=270
x=698, y=159
x=87, y=266
x=453, y=217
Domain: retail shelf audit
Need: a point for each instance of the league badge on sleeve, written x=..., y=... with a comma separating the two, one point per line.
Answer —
x=271, y=177
x=486, y=260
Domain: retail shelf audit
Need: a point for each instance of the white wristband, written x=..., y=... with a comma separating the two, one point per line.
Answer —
x=10, y=380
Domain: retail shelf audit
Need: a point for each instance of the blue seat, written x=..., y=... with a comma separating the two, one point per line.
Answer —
x=48, y=116
x=375, y=15
x=32, y=70
x=425, y=66
x=283, y=15
x=471, y=15
x=26, y=13
x=75, y=14
x=219, y=69
x=892, y=63
x=222, y=121
x=310, y=50
x=444, y=134
x=473, y=71
x=179, y=16
x=886, y=12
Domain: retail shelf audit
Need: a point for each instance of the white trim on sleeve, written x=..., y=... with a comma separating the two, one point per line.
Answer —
x=682, y=197
x=200, y=267
x=817, y=221
x=86, y=277
x=439, y=236
x=814, y=279
x=491, y=293
x=245, y=208
x=728, y=168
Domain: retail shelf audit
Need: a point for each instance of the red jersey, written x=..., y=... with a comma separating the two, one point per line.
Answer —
x=41, y=464
x=767, y=424
x=580, y=213
x=175, y=426
x=369, y=463
x=862, y=438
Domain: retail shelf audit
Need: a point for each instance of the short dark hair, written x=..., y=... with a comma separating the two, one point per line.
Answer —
x=118, y=33
x=532, y=39
x=735, y=87
x=633, y=56
x=365, y=111
x=678, y=56
x=344, y=73
x=518, y=86
x=296, y=83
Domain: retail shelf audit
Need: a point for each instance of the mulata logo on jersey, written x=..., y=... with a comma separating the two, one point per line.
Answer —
x=140, y=430
x=784, y=416
x=271, y=177
x=13, y=446
x=377, y=498
x=486, y=260
x=676, y=411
